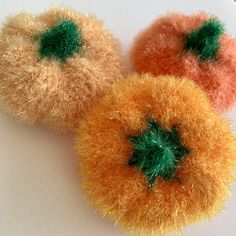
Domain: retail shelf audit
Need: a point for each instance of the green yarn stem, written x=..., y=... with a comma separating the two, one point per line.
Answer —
x=157, y=152
x=205, y=40
x=61, y=41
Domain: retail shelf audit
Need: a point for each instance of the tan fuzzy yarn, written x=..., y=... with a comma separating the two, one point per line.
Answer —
x=46, y=91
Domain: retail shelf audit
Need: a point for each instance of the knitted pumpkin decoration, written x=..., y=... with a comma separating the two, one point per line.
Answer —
x=194, y=46
x=54, y=65
x=154, y=155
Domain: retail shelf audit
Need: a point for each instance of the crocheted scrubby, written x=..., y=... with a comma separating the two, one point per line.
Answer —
x=187, y=155
x=54, y=66
x=196, y=47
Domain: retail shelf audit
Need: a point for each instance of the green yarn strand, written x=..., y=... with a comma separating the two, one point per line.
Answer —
x=61, y=41
x=205, y=41
x=157, y=152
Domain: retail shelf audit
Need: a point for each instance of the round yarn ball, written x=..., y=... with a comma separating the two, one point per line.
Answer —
x=194, y=46
x=55, y=65
x=154, y=155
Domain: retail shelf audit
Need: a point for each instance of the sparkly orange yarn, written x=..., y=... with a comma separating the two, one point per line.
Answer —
x=45, y=91
x=120, y=191
x=159, y=50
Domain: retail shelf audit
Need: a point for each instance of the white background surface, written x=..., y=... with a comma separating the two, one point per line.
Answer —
x=39, y=192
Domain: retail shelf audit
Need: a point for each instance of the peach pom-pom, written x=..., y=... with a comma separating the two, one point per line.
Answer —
x=154, y=155
x=193, y=46
x=55, y=65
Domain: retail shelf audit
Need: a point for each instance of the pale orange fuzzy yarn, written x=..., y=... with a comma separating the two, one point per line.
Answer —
x=120, y=191
x=45, y=91
x=159, y=50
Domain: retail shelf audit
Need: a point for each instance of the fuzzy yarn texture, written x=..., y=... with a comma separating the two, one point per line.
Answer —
x=205, y=40
x=192, y=46
x=157, y=152
x=120, y=191
x=55, y=65
x=61, y=41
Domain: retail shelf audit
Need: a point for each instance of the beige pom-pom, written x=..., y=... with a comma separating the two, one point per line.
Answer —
x=55, y=65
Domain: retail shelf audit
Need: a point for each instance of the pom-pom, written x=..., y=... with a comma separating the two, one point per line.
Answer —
x=55, y=65
x=192, y=46
x=154, y=155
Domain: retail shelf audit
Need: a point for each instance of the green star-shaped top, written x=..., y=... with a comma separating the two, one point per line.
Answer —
x=205, y=40
x=61, y=41
x=157, y=152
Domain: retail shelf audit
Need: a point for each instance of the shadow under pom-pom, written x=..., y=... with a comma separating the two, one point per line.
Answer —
x=61, y=41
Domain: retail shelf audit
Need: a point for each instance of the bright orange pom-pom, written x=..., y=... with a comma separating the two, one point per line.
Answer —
x=161, y=49
x=115, y=133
